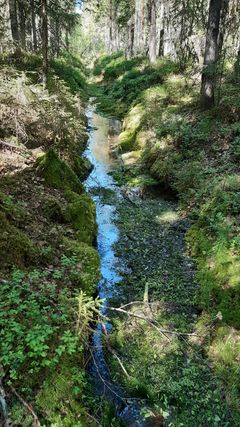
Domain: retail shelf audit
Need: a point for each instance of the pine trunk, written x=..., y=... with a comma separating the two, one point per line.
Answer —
x=139, y=17
x=22, y=25
x=161, y=37
x=14, y=22
x=34, y=29
x=152, y=51
x=44, y=42
x=211, y=55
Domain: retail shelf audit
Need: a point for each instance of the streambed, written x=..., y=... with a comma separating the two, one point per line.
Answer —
x=102, y=135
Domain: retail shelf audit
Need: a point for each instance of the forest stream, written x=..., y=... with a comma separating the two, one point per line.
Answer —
x=99, y=184
x=143, y=258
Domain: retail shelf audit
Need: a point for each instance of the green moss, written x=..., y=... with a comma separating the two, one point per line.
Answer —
x=126, y=141
x=82, y=167
x=81, y=212
x=16, y=249
x=53, y=210
x=57, y=173
x=87, y=273
x=13, y=210
x=61, y=396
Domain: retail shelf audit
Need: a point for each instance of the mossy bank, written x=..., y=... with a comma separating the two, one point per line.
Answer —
x=49, y=264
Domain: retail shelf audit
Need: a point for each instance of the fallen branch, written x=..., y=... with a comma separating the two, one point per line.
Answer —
x=12, y=147
x=104, y=381
x=153, y=323
x=36, y=422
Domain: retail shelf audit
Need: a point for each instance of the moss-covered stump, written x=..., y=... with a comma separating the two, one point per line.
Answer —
x=57, y=173
x=87, y=272
x=81, y=213
x=16, y=249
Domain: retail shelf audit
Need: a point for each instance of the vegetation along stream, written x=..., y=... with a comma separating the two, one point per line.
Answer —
x=148, y=282
x=119, y=213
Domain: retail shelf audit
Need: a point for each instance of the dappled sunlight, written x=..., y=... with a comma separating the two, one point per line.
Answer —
x=167, y=217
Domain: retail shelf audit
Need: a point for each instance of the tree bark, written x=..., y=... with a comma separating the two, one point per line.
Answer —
x=22, y=24
x=14, y=22
x=152, y=51
x=211, y=55
x=34, y=28
x=237, y=66
x=139, y=16
x=161, y=36
x=44, y=42
x=130, y=38
x=222, y=30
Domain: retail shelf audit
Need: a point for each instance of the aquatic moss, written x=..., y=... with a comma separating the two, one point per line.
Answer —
x=16, y=249
x=81, y=212
x=57, y=173
x=87, y=273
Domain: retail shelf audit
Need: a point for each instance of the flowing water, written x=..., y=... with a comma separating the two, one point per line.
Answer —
x=102, y=133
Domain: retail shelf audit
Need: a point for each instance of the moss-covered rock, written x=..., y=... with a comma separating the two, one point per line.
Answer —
x=53, y=210
x=57, y=173
x=81, y=212
x=87, y=274
x=126, y=141
x=16, y=249
x=82, y=167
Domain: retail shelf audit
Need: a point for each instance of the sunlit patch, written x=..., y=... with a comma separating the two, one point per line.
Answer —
x=169, y=216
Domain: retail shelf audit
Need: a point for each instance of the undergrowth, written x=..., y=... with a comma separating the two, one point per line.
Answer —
x=195, y=154
x=49, y=265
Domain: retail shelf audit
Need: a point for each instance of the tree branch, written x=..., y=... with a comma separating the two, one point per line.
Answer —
x=152, y=323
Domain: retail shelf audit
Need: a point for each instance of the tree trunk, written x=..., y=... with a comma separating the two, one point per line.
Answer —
x=222, y=30
x=211, y=55
x=111, y=45
x=130, y=38
x=139, y=16
x=67, y=44
x=14, y=22
x=161, y=38
x=44, y=42
x=237, y=66
x=34, y=29
x=152, y=51
x=22, y=24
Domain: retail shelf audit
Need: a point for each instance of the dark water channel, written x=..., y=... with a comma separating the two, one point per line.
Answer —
x=102, y=133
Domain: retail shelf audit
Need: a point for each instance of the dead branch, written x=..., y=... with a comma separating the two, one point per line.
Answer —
x=36, y=422
x=152, y=323
x=104, y=381
x=12, y=147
